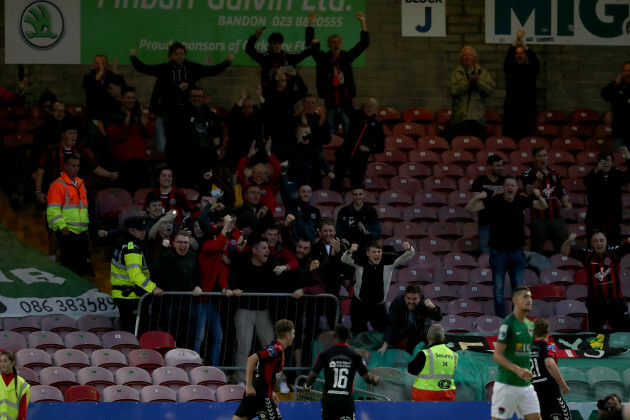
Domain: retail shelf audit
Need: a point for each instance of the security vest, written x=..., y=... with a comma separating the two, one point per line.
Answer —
x=9, y=400
x=129, y=273
x=67, y=205
x=435, y=381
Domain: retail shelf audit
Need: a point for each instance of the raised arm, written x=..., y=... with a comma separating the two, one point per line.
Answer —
x=476, y=202
x=566, y=246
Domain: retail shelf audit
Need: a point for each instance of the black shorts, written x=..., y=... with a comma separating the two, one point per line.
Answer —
x=553, y=406
x=264, y=408
x=337, y=410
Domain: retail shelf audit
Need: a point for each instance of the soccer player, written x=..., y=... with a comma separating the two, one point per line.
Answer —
x=340, y=363
x=260, y=400
x=546, y=376
x=513, y=390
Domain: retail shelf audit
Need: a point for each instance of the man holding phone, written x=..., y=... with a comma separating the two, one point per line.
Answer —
x=603, y=184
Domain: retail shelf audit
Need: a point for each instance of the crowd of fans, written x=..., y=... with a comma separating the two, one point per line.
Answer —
x=229, y=241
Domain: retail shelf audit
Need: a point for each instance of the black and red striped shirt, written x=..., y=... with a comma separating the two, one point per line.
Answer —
x=602, y=270
x=270, y=363
x=550, y=189
x=52, y=163
x=175, y=199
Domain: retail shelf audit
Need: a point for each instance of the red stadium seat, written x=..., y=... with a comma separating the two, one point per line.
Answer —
x=110, y=201
x=445, y=185
x=109, y=359
x=426, y=261
x=468, y=143
x=71, y=359
x=419, y=213
x=501, y=143
x=82, y=393
x=435, y=246
x=572, y=308
x=550, y=116
x=570, y=144
x=404, y=143
x=430, y=198
x=45, y=340
x=526, y=144
x=418, y=115
x=410, y=230
x=85, y=341
x=433, y=143
x=409, y=129
x=415, y=170
x=487, y=323
x=586, y=157
x=445, y=170
x=413, y=275
x=577, y=292
x=24, y=325
x=405, y=184
x=170, y=376
x=475, y=170
x=481, y=275
x=28, y=375
x=462, y=158
x=548, y=292
x=388, y=116
x=578, y=171
x=547, y=131
x=146, y=359
x=425, y=157
x=159, y=341
x=482, y=156
x=454, y=214
x=564, y=262
x=468, y=245
x=456, y=324
x=396, y=242
x=599, y=144
x=521, y=157
x=59, y=324
x=326, y=197
x=446, y=230
x=465, y=308
x=134, y=377
x=45, y=393
x=555, y=276
x=459, y=198
x=375, y=183
x=392, y=156
x=451, y=276
x=439, y=292
x=584, y=116
x=561, y=157
x=380, y=169
x=564, y=324
x=183, y=358
x=479, y=292
x=59, y=377
x=388, y=213
x=459, y=260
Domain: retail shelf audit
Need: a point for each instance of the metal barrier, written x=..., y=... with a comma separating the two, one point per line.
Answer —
x=223, y=330
x=300, y=394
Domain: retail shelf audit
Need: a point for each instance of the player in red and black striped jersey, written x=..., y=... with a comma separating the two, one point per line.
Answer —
x=339, y=363
x=605, y=301
x=547, y=223
x=260, y=400
x=546, y=377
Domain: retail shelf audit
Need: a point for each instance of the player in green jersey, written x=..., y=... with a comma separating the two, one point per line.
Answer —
x=513, y=390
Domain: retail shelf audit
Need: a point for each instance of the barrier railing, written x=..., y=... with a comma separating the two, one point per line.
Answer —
x=226, y=330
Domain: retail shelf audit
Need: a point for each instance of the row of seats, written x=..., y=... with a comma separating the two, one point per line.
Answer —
x=60, y=323
x=148, y=393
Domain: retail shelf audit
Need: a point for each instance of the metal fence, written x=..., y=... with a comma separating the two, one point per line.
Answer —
x=300, y=394
x=226, y=330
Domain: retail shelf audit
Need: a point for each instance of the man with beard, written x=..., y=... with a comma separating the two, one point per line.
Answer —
x=491, y=183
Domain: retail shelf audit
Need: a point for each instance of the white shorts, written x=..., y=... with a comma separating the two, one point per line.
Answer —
x=507, y=399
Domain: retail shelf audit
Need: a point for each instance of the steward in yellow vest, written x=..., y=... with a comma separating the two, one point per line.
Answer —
x=14, y=390
x=130, y=275
x=435, y=369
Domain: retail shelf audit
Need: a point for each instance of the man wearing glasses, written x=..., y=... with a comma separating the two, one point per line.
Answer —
x=176, y=269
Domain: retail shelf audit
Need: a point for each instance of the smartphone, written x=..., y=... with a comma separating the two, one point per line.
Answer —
x=215, y=193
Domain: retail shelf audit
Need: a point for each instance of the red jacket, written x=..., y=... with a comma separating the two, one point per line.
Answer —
x=268, y=190
x=129, y=141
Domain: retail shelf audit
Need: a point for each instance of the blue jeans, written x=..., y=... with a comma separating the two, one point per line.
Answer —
x=484, y=237
x=336, y=115
x=209, y=319
x=512, y=262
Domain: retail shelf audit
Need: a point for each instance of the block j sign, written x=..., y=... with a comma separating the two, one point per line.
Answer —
x=571, y=22
x=423, y=18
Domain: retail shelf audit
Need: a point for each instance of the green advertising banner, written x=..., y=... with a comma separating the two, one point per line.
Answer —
x=210, y=29
x=31, y=284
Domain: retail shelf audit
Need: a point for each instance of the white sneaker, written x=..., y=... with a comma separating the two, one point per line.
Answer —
x=284, y=388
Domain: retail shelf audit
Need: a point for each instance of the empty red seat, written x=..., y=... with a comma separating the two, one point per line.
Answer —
x=502, y=143
x=419, y=213
x=439, y=292
x=465, y=308
x=433, y=143
x=396, y=242
x=526, y=144
x=547, y=131
x=561, y=157
x=415, y=170
x=406, y=184
x=48, y=341
x=426, y=261
x=28, y=375
x=446, y=230
x=82, y=393
x=475, y=292
x=459, y=260
x=375, y=183
x=541, y=309
x=183, y=358
x=469, y=143
x=550, y=292
x=45, y=393
x=481, y=275
x=456, y=324
x=34, y=359
x=59, y=324
x=462, y=158
x=599, y=144
x=440, y=184
x=170, y=376
x=437, y=246
x=326, y=197
x=445, y=170
x=451, y=276
x=582, y=116
x=59, y=377
x=395, y=198
x=24, y=325
x=459, y=198
x=487, y=323
x=392, y=156
x=380, y=169
x=570, y=144
x=122, y=341
x=109, y=359
x=71, y=359
x=551, y=116
x=572, y=308
x=110, y=201
x=454, y=214
x=400, y=142
x=418, y=115
x=426, y=157
x=160, y=341
x=388, y=213
x=85, y=341
x=227, y=393
x=468, y=245
x=410, y=230
x=208, y=376
x=564, y=324
x=413, y=275
x=577, y=292
x=430, y=198
x=410, y=129
x=521, y=157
